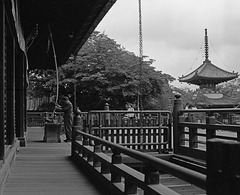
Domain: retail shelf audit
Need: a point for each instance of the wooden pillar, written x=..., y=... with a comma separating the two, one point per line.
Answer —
x=223, y=170
x=176, y=131
x=20, y=98
x=10, y=90
x=2, y=80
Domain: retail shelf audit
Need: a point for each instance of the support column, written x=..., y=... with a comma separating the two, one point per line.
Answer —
x=20, y=99
x=10, y=91
x=2, y=80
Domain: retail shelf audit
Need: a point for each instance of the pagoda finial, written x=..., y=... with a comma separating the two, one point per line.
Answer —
x=206, y=45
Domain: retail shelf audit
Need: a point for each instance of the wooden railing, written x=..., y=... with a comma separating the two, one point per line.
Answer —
x=144, y=130
x=38, y=119
x=192, y=129
x=122, y=179
x=102, y=138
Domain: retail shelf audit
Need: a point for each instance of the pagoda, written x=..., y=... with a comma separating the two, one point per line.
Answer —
x=207, y=76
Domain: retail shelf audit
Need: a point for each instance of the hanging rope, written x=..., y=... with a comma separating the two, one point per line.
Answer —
x=55, y=62
x=140, y=56
x=140, y=106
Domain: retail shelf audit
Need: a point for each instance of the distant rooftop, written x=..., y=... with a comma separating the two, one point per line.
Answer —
x=208, y=75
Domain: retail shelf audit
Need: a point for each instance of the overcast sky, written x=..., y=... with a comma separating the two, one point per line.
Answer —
x=173, y=32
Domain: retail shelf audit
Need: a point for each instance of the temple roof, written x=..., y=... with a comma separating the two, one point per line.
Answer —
x=208, y=73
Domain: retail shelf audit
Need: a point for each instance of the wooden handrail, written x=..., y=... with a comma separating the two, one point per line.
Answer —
x=186, y=174
x=193, y=127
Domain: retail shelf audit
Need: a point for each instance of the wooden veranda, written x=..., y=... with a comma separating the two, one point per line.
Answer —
x=53, y=168
x=47, y=168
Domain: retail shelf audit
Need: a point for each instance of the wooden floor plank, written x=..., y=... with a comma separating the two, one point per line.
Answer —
x=46, y=168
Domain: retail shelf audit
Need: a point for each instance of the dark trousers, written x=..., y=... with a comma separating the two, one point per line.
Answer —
x=68, y=127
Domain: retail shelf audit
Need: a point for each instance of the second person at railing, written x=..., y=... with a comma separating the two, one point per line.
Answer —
x=67, y=107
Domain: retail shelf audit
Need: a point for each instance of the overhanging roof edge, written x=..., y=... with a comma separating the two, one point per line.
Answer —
x=90, y=26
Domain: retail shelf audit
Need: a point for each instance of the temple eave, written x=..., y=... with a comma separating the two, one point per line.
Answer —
x=197, y=80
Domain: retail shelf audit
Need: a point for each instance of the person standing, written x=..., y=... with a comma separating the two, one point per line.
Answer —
x=130, y=109
x=67, y=107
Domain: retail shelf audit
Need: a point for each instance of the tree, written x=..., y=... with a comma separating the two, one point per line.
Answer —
x=230, y=88
x=104, y=71
x=41, y=83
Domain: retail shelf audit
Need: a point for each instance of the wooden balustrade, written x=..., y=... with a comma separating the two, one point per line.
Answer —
x=190, y=136
x=122, y=179
x=196, y=133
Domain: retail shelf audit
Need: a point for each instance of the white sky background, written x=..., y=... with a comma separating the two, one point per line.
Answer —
x=173, y=32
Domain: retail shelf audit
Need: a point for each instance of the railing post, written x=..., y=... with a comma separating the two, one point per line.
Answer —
x=193, y=137
x=105, y=169
x=86, y=130
x=167, y=136
x=116, y=159
x=151, y=175
x=238, y=136
x=223, y=171
x=210, y=120
x=176, y=131
x=97, y=149
x=130, y=188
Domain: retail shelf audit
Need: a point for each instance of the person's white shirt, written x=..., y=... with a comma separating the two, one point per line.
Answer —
x=130, y=109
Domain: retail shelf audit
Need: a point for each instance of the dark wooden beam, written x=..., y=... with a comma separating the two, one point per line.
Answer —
x=10, y=89
x=2, y=80
x=20, y=95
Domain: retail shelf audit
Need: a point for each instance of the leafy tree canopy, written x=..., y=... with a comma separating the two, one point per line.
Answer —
x=104, y=71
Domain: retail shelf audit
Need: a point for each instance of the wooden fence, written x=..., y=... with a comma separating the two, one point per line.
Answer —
x=144, y=130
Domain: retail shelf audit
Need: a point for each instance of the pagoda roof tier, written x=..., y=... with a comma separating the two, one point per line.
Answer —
x=208, y=73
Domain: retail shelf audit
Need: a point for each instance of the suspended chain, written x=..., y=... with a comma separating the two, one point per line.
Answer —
x=140, y=56
x=140, y=71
